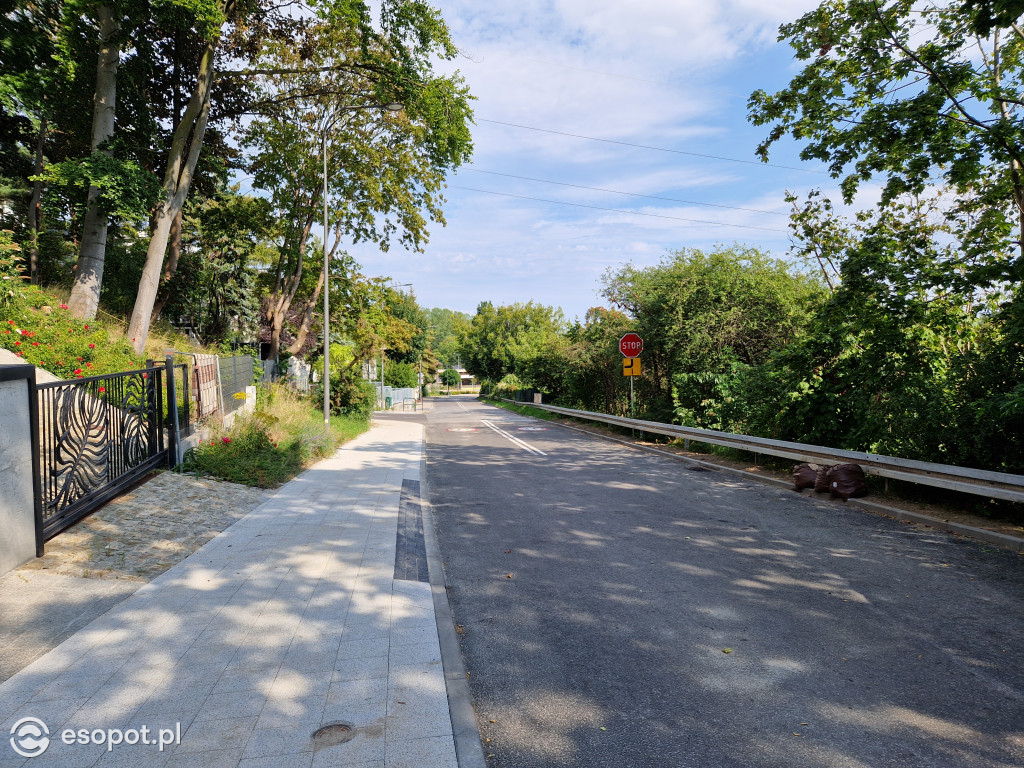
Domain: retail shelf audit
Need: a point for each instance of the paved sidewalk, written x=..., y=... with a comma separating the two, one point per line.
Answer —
x=289, y=620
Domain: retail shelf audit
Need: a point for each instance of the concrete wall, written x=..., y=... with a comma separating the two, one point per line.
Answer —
x=17, y=500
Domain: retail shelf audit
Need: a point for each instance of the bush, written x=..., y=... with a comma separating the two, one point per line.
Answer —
x=350, y=396
x=40, y=330
x=400, y=375
x=274, y=444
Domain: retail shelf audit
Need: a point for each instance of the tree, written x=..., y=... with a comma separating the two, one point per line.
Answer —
x=704, y=314
x=919, y=96
x=395, y=60
x=501, y=340
x=450, y=378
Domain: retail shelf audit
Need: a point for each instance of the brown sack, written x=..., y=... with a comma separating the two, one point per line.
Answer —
x=804, y=475
x=821, y=478
x=846, y=481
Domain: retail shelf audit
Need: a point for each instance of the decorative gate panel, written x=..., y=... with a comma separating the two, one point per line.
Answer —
x=96, y=437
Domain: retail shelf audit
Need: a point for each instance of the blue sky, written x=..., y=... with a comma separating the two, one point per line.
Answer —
x=674, y=75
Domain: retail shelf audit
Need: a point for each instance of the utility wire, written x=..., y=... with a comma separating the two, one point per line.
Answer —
x=647, y=146
x=630, y=194
x=616, y=210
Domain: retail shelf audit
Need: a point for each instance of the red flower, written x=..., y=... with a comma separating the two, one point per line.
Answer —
x=78, y=359
x=92, y=346
x=226, y=439
x=63, y=306
x=17, y=343
x=87, y=327
x=103, y=389
x=78, y=370
x=35, y=343
x=88, y=365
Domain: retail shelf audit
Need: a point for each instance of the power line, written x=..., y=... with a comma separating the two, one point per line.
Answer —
x=647, y=146
x=616, y=210
x=630, y=194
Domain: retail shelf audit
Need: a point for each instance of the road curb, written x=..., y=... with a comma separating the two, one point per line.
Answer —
x=990, y=537
x=468, y=750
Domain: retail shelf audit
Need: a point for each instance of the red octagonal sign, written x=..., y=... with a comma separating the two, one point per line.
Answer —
x=631, y=345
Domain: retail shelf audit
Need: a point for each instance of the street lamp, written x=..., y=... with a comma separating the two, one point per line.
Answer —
x=393, y=107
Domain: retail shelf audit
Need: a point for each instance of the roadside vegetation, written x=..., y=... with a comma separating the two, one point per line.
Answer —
x=898, y=329
x=269, y=447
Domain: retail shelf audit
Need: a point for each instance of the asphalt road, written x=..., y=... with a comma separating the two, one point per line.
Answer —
x=622, y=610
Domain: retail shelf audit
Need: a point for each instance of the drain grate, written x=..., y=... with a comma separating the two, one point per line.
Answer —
x=333, y=734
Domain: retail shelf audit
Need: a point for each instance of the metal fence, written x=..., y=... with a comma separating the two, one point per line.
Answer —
x=97, y=436
x=397, y=397
x=236, y=373
x=980, y=482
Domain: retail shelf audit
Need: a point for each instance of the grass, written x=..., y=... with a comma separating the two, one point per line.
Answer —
x=285, y=435
x=525, y=410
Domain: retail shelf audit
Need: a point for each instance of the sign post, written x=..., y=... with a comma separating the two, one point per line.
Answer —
x=631, y=345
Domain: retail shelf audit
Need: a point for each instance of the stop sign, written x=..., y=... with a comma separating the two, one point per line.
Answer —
x=631, y=345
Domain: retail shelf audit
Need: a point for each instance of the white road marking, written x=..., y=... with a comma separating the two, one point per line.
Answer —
x=522, y=444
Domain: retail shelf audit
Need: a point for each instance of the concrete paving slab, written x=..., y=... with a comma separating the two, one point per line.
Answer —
x=290, y=619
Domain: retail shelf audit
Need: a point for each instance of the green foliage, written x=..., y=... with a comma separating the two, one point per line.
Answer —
x=445, y=327
x=223, y=239
x=42, y=332
x=401, y=375
x=351, y=395
x=268, y=448
x=450, y=377
x=702, y=314
x=127, y=191
x=502, y=340
x=909, y=93
x=11, y=276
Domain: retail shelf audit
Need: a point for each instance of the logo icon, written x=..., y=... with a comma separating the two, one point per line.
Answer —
x=30, y=737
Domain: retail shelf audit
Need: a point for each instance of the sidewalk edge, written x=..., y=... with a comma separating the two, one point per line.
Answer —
x=468, y=750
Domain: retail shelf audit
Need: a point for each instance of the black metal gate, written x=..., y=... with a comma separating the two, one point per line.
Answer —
x=97, y=436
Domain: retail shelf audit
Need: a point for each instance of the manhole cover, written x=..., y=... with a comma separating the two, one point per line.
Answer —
x=462, y=429
x=531, y=429
x=333, y=734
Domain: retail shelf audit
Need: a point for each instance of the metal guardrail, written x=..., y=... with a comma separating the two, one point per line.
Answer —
x=981, y=482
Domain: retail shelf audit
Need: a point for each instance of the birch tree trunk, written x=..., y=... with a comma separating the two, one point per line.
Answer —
x=181, y=165
x=85, y=294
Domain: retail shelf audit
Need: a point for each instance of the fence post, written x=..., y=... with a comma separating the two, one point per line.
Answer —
x=173, y=459
x=186, y=397
x=21, y=513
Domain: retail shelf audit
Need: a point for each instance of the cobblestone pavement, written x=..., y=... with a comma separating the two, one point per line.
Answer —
x=144, y=532
x=103, y=559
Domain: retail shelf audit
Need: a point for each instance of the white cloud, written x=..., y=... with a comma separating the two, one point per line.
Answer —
x=665, y=74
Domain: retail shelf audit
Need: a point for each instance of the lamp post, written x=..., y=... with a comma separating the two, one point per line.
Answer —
x=394, y=107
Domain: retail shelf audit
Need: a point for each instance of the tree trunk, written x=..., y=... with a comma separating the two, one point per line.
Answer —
x=307, y=316
x=85, y=294
x=181, y=164
x=34, y=208
x=173, y=254
x=287, y=285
